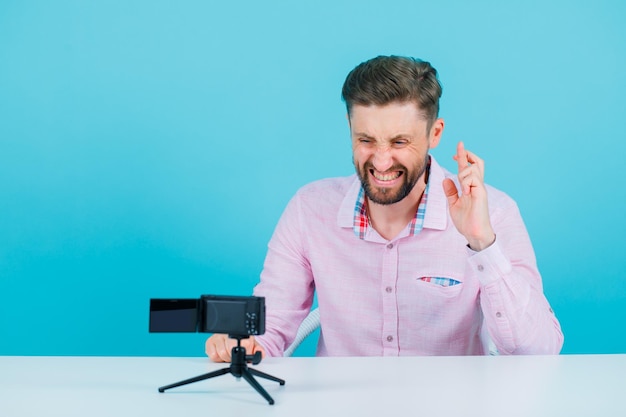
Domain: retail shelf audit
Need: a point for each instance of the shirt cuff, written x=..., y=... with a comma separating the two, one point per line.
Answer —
x=489, y=264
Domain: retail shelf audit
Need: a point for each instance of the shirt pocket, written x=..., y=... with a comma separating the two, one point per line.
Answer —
x=439, y=285
x=441, y=281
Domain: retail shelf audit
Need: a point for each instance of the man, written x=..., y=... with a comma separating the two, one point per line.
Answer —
x=406, y=258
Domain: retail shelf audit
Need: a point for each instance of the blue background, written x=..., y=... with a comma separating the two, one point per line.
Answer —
x=147, y=148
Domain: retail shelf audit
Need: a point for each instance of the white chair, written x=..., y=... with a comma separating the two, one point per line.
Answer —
x=310, y=323
x=488, y=344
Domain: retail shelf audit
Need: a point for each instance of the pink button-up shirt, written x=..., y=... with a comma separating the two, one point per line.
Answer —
x=384, y=297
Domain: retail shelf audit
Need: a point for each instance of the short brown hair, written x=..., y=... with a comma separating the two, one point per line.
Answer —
x=387, y=79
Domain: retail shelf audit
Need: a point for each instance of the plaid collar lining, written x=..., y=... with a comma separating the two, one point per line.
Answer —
x=361, y=222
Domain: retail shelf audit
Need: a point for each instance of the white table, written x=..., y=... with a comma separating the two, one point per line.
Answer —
x=577, y=385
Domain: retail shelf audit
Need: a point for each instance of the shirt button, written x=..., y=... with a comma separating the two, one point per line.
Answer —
x=390, y=246
x=481, y=268
x=390, y=338
x=498, y=314
x=389, y=289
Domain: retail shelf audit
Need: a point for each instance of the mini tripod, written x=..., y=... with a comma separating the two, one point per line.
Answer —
x=238, y=368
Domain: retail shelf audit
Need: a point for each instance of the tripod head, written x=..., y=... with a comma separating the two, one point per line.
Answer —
x=238, y=353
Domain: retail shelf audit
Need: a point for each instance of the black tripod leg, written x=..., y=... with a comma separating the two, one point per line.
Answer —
x=245, y=373
x=266, y=376
x=196, y=379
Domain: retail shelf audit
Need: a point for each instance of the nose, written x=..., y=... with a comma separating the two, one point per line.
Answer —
x=382, y=159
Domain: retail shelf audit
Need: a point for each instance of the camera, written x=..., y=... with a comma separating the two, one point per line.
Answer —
x=235, y=315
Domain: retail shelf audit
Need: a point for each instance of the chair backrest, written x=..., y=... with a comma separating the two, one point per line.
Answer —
x=488, y=344
x=310, y=323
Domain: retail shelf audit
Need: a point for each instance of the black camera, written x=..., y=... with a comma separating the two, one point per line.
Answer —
x=235, y=315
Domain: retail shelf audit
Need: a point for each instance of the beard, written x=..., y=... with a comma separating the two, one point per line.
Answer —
x=386, y=195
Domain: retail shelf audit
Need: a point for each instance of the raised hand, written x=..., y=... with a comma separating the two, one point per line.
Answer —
x=469, y=210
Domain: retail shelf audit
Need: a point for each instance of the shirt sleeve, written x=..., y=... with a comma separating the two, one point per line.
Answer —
x=516, y=312
x=286, y=282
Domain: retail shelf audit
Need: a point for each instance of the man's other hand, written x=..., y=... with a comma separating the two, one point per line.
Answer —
x=219, y=346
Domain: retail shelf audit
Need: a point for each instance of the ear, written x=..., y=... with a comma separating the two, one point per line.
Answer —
x=436, y=130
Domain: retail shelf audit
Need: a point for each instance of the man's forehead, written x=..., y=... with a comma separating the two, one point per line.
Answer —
x=390, y=117
x=408, y=108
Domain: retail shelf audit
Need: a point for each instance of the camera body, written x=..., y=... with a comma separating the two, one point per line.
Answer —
x=238, y=316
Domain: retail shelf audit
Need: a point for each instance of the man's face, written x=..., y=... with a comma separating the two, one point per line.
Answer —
x=390, y=146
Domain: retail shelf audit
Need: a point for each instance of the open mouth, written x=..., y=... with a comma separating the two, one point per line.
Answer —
x=385, y=176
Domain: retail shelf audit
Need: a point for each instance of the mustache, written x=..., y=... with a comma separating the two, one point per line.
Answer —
x=368, y=166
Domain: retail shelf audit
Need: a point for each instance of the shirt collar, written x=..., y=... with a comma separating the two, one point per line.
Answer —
x=432, y=211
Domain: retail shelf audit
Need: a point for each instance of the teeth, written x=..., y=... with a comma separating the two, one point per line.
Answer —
x=386, y=177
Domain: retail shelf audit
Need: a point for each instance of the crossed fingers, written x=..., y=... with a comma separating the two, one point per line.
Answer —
x=471, y=169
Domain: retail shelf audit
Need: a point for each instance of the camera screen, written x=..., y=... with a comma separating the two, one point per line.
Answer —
x=225, y=316
x=173, y=315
